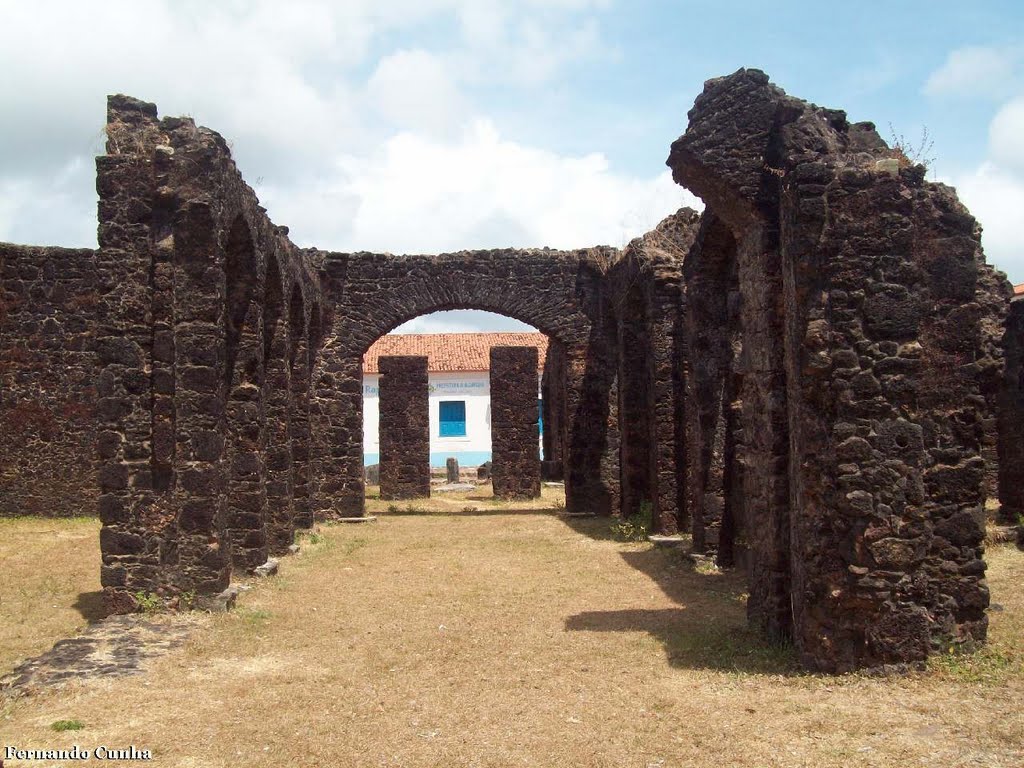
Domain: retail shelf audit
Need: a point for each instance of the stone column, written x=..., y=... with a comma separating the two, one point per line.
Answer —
x=124, y=345
x=1010, y=417
x=247, y=493
x=553, y=396
x=514, y=433
x=405, y=428
x=277, y=399
x=299, y=434
x=635, y=401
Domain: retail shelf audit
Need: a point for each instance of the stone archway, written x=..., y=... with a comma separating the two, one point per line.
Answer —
x=559, y=293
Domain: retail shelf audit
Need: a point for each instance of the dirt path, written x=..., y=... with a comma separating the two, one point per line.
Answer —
x=517, y=640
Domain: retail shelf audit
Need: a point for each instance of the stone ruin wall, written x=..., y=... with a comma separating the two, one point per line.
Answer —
x=205, y=340
x=809, y=377
x=558, y=292
x=404, y=427
x=553, y=399
x=48, y=369
x=515, y=457
x=646, y=307
x=1010, y=416
x=862, y=416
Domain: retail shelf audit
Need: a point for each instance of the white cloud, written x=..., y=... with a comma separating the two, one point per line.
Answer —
x=1006, y=136
x=996, y=198
x=481, y=191
x=462, y=321
x=976, y=70
x=994, y=191
x=415, y=89
x=292, y=86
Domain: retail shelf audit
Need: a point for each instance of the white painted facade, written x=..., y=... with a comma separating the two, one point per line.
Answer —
x=471, y=387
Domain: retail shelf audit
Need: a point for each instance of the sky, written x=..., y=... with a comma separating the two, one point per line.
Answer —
x=424, y=126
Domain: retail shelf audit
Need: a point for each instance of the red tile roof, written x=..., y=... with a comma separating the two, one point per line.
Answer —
x=1018, y=290
x=452, y=351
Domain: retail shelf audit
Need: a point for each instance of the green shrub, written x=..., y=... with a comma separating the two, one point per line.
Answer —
x=635, y=527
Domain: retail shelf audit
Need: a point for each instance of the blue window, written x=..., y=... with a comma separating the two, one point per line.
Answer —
x=452, y=418
x=540, y=416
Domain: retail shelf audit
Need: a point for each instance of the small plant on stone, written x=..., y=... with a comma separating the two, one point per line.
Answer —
x=187, y=600
x=909, y=154
x=67, y=725
x=635, y=527
x=148, y=602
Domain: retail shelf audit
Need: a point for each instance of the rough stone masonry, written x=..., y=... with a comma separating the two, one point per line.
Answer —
x=404, y=427
x=515, y=437
x=815, y=376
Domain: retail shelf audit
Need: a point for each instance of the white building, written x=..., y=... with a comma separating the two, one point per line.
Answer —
x=460, y=396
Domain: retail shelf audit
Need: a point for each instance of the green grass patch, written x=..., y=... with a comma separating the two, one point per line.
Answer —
x=67, y=725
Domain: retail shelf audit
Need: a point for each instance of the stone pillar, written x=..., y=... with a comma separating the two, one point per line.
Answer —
x=277, y=402
x=553, y=398
x=452, y=469
x=247, y=494
x=1011, y=418
x=514, y=433
x=132, y=536
x=299, y=434
x=668, y=397
x=404, y=428
x=709, y=266
x=201, y=383
x=635, y=404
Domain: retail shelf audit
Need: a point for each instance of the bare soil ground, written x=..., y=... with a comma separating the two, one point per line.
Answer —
x=521, y=639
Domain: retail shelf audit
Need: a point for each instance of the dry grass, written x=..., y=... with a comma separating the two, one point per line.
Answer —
x=478, y=501
x=505, y=640
x=49, y=583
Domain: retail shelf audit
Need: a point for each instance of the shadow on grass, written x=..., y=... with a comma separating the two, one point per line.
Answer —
x=599, y=528
x=708, y=629
x=90, y=606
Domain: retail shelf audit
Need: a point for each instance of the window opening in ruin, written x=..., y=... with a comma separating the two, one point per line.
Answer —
x=451, y=418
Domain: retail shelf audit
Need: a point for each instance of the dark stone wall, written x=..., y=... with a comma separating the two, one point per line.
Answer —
x=993, y=293
x=558, y=292
x=862, y=411
x=404, y=428
x=553, y=397
x=196, y=348
x=645, y=292
x=709, y=272
x=48, y=367
x=515, y=459
x=1010, y=414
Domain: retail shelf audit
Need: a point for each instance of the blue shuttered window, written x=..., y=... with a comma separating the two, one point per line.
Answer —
x=452, y=418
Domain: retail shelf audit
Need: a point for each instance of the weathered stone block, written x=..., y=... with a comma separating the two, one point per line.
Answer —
x=514, y=432
x=404, y=428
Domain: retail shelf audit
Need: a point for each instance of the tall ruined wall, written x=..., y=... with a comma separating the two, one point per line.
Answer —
x=404, y=428
x=203, y=327
x=646, y=295
x=861, y=406
x=993, y=293
x=1010, y=415
x=553, y=397
x=515, y=469
x=48, y=367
